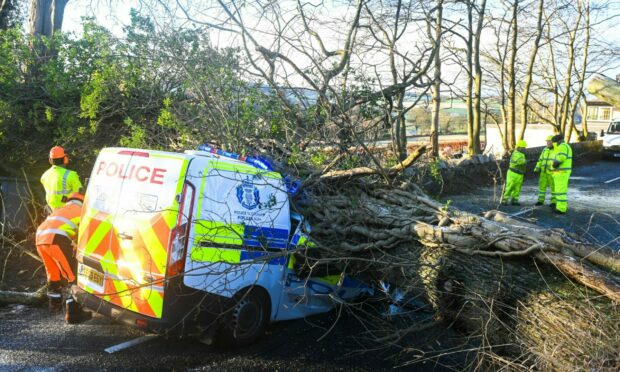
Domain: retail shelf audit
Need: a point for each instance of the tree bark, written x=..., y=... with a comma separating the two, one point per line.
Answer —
x=512, y=78
x=25, y=298
x=478, y=81
x=530, y=68
x=436, y=90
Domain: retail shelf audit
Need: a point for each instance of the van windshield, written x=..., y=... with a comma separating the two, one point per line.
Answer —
x=614, y=128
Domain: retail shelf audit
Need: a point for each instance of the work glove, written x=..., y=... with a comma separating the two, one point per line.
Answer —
x=536, y=170
x=556, y=163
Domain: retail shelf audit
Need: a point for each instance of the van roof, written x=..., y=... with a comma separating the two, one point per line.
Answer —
x=143, y=152
x=187, y=154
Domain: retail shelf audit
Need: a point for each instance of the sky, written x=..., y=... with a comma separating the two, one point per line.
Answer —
x=115, y=16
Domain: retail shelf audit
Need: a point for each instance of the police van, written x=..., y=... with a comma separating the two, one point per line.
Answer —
x=197, y=243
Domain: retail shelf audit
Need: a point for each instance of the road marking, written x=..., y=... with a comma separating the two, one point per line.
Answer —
x=612, y=180
x=130, y=343
x=522, y=212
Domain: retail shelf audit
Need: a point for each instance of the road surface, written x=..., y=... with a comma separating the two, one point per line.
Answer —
x=593, y=203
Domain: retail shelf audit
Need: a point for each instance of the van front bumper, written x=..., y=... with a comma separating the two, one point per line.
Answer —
x=611, y=152
x=183, y=318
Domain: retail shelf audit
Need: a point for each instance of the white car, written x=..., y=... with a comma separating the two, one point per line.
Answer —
x=611, y=140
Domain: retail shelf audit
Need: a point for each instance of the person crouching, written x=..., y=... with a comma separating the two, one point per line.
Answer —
x=55, y=239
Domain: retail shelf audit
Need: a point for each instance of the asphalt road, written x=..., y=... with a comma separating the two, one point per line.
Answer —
x=593, y=203
x=33, y=340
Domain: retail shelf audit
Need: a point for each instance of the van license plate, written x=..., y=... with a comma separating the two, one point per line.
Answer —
x=93, y=275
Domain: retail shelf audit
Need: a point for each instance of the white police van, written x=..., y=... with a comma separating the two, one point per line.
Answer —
x=196, y=243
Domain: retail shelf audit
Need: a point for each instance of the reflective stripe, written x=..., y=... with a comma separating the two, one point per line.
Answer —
x=246, y=169
x=64, y=180
x=204, y=254
x=235, y=256
x=53, y=231
x=219, y=232
x=63, y=219
x=516, y=171
x=64, y=189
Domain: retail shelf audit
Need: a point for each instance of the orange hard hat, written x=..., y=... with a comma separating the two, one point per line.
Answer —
x=76, y=196
x=57, y=152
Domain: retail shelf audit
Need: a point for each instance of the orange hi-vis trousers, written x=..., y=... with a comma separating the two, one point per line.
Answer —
x=56, y=263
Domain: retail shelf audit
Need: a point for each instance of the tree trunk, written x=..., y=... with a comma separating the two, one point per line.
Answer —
x=40, y=18
x=436, y=91
x=530, y=68
x=470, y=80
x=26, y=298
x=478, y=80
x=512, y=78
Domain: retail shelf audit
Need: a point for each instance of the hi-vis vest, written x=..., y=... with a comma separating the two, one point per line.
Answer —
x=517, y=162
x=564, y=154
x=63, y=221
x=59, y=182
x=545, y=161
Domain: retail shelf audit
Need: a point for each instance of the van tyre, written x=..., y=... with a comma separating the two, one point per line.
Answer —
x=247, y=320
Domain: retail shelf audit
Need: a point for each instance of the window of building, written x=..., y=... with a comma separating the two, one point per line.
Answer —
x=592, y=113
x=605, y=114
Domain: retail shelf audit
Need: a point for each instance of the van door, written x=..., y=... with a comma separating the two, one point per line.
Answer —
x=131, y=208
x=240, y=231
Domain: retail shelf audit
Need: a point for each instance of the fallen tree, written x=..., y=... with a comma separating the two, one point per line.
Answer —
x=524, y=292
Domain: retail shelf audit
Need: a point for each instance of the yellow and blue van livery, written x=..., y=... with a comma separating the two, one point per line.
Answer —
x=195, y=243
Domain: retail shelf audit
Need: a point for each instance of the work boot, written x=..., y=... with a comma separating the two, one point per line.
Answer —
x=74, y=313
x=514, y=202
x=538, y=204
x=54, y=297
x=552, y=206
x=54, y=302
x=557, y=211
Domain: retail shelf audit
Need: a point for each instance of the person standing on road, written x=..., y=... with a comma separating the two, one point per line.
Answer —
x=545, y=179
x=55, y=240
x=514, y=176
x=561, y=169
x=58, y=181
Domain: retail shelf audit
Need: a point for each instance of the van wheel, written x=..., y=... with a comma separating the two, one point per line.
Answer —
x=247, y=320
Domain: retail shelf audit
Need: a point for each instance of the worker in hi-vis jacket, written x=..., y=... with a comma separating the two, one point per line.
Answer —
x=55, y=240
x=514, y=176
x=545, y=179
x=58, y=181
x=561, y=168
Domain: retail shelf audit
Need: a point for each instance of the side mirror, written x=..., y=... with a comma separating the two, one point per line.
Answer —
x=602, y=133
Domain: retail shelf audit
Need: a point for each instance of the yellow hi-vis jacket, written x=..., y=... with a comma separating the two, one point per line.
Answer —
x=58, y=182
x=517, y=162
x=545, y=161
x=563, y=154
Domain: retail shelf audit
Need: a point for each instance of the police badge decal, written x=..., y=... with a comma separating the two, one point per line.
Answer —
x=248, y=194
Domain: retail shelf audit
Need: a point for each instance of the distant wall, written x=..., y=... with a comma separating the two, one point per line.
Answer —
x=487, y=170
